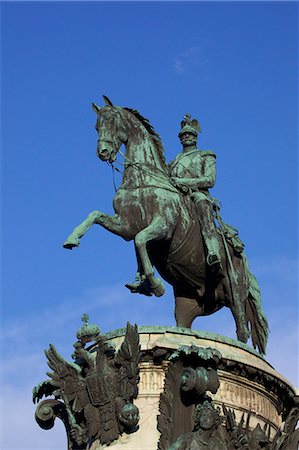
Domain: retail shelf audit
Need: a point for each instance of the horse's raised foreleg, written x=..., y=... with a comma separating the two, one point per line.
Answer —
x=156, y=230
x=111, y=223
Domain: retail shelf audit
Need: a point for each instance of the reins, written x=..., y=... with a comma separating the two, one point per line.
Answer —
x=137, y=166
x=113, y=174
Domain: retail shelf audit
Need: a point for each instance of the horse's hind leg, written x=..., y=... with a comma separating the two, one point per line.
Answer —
x=186, y=310
x=238, y=310
x=155, y=231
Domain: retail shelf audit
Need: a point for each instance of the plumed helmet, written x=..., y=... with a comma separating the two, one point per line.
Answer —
x=189, y=126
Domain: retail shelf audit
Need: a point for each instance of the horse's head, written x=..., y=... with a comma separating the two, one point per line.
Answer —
x=111, y=130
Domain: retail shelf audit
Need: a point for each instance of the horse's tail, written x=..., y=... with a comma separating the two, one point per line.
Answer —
x=255, y=314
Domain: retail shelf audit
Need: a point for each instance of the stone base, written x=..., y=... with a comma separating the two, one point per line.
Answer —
x=248, y=383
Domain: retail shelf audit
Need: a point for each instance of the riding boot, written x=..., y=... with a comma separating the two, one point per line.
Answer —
x=208, y=229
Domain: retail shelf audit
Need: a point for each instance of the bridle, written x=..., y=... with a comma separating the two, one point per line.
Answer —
x=138, y=166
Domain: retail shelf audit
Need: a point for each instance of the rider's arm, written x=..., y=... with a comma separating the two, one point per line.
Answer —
x=206, y=170
x=208, y=178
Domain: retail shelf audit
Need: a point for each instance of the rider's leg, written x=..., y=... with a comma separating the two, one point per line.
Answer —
x=208, y=228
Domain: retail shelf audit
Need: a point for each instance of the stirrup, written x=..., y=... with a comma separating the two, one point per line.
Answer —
x=140, y=287
x=213, y=259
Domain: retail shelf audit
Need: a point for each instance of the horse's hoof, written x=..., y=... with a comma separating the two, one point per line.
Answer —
x=158, y=288
x=70, y=243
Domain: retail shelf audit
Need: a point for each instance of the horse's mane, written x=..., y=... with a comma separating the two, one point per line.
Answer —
x=155, y=136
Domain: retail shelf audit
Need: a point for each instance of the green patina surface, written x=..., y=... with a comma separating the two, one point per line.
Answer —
x=187, y=332
x=175, y=224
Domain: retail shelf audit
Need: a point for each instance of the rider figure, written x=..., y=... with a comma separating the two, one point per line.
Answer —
x=193, y=172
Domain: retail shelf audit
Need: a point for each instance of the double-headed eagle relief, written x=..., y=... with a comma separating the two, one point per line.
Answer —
x=175, y=224
x=94, y=394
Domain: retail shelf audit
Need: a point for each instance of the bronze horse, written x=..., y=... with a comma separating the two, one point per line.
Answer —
x=163, y=224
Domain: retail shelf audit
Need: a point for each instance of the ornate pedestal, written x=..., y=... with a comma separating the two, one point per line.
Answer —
x=247, y=382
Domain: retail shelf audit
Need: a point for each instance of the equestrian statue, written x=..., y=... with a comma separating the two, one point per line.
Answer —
x=175, y=224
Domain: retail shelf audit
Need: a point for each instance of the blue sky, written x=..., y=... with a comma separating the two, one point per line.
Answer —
x=233, y=65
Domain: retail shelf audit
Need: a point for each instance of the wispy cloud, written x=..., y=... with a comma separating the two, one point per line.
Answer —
x=188, y=59
x=281, y=268
x=179, y=66
x=20, y=431
x=25, y=363
x=110, y=307
x=278, y=278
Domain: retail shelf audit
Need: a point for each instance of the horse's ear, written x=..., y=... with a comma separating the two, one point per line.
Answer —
x=95, y=108
x=107, y=101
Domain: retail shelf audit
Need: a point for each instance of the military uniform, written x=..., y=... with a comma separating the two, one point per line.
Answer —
x=196, y=170
x=193, y=172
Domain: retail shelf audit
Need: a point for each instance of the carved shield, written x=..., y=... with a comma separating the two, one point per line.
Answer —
x=97, y=389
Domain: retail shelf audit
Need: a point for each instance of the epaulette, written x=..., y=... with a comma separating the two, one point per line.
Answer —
x=207, y=153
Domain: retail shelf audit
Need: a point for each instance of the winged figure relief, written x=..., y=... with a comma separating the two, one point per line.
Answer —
x=97, y=389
